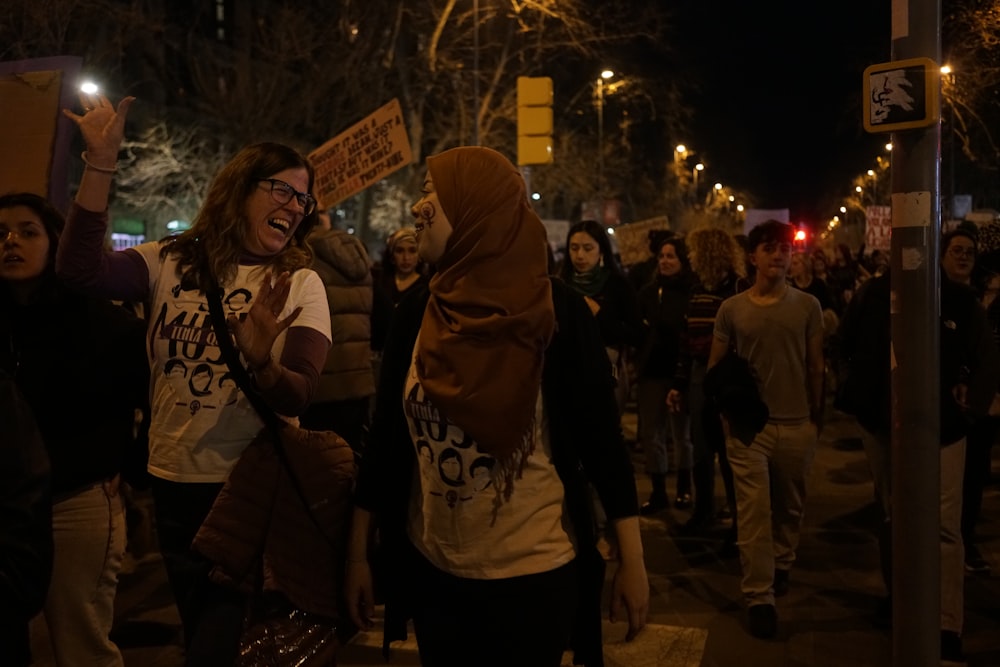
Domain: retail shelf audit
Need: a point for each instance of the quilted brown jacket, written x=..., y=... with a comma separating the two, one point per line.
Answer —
x=259, y=532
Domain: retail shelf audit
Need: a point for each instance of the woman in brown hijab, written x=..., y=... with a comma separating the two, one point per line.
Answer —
x=495, y=408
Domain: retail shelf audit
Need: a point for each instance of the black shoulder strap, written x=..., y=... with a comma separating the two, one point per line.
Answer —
x=243, y=381
x=232, y=359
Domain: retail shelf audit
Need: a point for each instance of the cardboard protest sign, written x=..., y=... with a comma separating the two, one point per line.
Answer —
x=633, y=239
x=361, y=155
x=34, y=135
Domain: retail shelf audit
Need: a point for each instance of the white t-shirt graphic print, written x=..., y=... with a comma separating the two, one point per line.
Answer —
x=201, y=422
x=454, y=496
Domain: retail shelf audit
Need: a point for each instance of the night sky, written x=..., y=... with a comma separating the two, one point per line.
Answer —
x=779, y=110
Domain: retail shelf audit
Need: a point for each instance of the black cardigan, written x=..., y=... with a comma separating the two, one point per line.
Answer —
x=587, y=446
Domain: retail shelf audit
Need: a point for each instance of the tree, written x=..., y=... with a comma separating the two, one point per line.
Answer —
x=301, y=72
x=971, y=41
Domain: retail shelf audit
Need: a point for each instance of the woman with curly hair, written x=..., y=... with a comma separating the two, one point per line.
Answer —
x=248, y=245
x=719, y=266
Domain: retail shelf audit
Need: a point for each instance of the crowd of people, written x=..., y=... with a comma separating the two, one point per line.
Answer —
x=481, y=385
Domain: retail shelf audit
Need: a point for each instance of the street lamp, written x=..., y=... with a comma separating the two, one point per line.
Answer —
x=606, y=74
x=694, y=178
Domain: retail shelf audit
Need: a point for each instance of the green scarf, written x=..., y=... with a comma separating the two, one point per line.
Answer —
x=590, y=283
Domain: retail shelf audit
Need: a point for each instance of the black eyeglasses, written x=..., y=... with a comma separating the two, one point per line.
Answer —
x=958, y=252
x=282, y=193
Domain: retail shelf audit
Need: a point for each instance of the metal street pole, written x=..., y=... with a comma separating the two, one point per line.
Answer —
x=475, y=72
x=915, y=316
x=600, y=135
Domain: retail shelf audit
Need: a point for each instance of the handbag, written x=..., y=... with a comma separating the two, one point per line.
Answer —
x=278, y=633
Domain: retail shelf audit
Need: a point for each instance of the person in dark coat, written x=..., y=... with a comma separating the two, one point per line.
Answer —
x=663, y=305
x=592, y=271
x=25, y=524
x=80, y=363
x=968, y=375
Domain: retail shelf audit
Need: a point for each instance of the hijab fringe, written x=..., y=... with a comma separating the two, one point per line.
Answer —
x=511, y=468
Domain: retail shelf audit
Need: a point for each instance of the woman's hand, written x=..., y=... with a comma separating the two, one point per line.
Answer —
x=630, y=589
x=256, y=334
x=675, y=401
x=102, y=127
x=358, y=593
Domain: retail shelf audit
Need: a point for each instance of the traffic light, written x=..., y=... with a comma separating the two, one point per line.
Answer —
x=534, y=120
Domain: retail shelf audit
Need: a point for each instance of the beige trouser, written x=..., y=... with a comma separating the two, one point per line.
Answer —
x=89, y=534
x=878, y=449
x=770, y=477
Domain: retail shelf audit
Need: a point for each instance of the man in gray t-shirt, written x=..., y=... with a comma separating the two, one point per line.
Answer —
x=779, y=331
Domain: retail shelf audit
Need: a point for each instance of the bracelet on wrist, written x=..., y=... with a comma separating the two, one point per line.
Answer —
x=91, y=165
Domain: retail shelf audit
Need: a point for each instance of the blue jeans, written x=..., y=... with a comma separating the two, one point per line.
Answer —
x=658, y=426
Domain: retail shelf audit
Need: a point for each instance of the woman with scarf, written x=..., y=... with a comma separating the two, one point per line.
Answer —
x=663, y=305
x=496, y=376
x=593, y=272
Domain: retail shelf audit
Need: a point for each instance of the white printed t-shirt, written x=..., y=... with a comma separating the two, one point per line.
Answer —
x=200, y=421
x=451, y=518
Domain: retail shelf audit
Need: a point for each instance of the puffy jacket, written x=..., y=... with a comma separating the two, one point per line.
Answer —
x=259, y=517
x=342, y=264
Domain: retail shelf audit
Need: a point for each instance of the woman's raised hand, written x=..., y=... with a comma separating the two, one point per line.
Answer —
x=256, y=334
x=102, y=126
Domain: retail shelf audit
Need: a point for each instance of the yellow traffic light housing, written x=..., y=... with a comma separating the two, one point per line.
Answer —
x=534, y=120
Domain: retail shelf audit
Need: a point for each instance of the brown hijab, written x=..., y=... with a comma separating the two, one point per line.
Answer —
x=490, y=315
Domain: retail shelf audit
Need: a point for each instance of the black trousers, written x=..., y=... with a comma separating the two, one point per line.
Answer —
x=524, y=621
x=978, y=461
x=212, y=615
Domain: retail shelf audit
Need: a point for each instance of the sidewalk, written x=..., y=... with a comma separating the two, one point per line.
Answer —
x=696, y=617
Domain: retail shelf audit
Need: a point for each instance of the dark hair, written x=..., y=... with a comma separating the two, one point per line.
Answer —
x=594, y=230
x=845, y=253
x=771, y=231
x=214, y=243
x=656, y=238
x=51, y=219
x=680, y=248
x=964, y=232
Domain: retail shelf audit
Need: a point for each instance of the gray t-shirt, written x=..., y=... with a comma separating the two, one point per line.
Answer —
x=774, y=339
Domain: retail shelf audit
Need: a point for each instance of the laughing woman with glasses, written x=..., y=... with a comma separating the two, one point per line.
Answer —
x=248, y=237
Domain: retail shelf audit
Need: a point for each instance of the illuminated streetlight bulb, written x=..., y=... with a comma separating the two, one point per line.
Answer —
x=857, y=189
x=681, y=148
x=718, y=186
x=88, y=88
x=871, y=172
x=946, y=69
x=611, y=230
x=739, y=207
x=888, y=146
x=699, y=166
x=732, y=198
x=536, y=196
x=843, y=209
x=607, y=74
